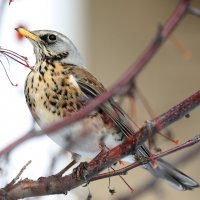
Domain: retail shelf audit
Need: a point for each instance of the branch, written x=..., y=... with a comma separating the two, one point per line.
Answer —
x=19, y=174
x=147, y=186
x=10, y=1
x=124, y=83
x=60, y=185
x=16, y=57
x=27, y=136
x=144, y=161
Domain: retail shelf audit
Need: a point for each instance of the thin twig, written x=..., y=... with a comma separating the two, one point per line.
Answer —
x=16, y=57
x=147, y=186
x=187, y=55
x=13, y=84
x=19, y=174
x=21, y=171
x=72, y=163
x=10, y=1
x=168, y=132
x=122, y=178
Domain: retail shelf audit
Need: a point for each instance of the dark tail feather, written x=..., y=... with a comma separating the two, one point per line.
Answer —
x=166, y=171
x=176, y=178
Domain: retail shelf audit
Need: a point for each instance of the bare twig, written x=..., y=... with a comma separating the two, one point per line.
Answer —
x=19, y=174
x=168, y=132
x=21, y=171
x=186, y=54
x=72, y=163
x=16, y=57
x=147, y=186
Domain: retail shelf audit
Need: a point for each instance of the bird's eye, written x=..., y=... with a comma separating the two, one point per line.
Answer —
x=52, y=38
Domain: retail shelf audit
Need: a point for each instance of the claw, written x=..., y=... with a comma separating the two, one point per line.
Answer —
x=81, y=171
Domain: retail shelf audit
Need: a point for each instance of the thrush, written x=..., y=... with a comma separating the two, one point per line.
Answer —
x=59, y=86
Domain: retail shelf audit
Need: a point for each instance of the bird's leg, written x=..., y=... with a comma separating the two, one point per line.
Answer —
x=81, y=170
x=102, y=147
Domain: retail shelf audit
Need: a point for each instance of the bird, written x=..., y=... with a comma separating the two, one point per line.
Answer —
x=60, y=85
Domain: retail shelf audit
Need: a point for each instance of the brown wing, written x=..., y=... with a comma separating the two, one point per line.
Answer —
x=91, y=88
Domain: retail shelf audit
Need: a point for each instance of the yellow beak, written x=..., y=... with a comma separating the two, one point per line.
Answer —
x=28, y=34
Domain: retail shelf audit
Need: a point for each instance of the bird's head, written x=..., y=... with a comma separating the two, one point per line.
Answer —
x=51, y=45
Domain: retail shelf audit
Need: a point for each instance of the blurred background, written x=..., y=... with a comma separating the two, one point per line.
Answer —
x=110, y=36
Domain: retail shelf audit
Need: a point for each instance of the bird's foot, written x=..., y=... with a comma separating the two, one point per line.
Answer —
x=82, y=172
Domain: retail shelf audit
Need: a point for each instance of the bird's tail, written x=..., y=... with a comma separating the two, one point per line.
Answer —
x=166, y=171
x=173, y=176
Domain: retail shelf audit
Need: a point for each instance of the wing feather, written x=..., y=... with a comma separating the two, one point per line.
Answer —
x=92, y=88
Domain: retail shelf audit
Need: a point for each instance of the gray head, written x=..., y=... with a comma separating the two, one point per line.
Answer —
x=52, y=45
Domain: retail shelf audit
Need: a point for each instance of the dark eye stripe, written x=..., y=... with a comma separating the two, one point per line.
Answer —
x=44, y=37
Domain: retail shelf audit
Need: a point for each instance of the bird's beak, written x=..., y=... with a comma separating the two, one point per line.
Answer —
x=28, y=34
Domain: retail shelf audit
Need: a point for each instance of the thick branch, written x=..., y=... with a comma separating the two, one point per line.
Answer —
x=128, y=147
x=59, y=185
